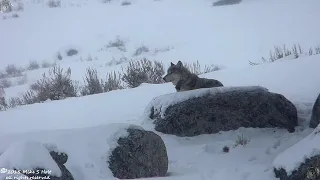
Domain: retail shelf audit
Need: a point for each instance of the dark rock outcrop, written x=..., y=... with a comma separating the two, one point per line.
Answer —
x=139, y=155
x=60, y=159
x=309, y=170
x=315, y=117
x=207, y=111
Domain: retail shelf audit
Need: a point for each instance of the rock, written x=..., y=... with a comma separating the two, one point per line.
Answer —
x=210, y=110
x=301, y=161
x=59, y=157
x=315, y=117
x=139, y=155
x=19, y=157
x=226, y=2
x=306, y=171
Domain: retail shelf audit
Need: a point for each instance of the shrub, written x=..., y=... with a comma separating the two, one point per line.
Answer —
x=5, y=83
x=54, y=3
x=22, y=80
x=20, y=6
x=93, y=85
x=3, y=75
x=211, y=68
x=5, y=6
x=13, y=71
x=140, y=50
x=71, y=52
x=317, y=49
x=164, y=49
x=282, y=52
x=226, y=2
x=106, y=1
x=113, y=82
x=30, y=97
x=33, y=65
x=117, y=62
x=58, y=85
x=125, y=3
x=15, y=101
x=143, y=71
x=117, y=43
x=45, y=64
x=3, y=103
x=15, y=15
x=241, y=140
x=195, y=68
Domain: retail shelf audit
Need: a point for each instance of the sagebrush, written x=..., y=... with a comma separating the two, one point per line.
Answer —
x=143, y=71
x=58, y=85
x=195, y=68
x=93, y=84
x=113, y=82
x=117, y=43
x=54, y=3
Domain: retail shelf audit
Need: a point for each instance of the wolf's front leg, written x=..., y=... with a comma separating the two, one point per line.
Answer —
x=178, y=85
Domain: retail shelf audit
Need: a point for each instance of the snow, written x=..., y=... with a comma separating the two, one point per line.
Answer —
x=293, y=157
x=186, y=30
x=161, y=103
x=27, y=156
x=88, y=149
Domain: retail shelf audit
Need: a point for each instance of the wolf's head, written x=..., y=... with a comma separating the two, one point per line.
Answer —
x=176, y=72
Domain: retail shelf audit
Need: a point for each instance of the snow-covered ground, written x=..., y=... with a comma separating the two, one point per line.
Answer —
x=187, y=30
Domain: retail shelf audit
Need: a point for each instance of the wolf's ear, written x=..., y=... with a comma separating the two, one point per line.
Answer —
x=179, y=64
x=172, y=64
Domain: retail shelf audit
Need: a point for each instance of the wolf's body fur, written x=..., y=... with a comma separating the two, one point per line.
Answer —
x=184, y=80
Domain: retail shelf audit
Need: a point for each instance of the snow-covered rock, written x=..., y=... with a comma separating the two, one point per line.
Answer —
x=31, y=159
x=114, y=150
x=315, y=117
x=300, y=159
x=210, y=110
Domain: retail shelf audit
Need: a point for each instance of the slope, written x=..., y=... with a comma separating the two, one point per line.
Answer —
x=190, y=158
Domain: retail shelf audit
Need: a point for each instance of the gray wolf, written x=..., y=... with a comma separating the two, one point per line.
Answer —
x=184, y=80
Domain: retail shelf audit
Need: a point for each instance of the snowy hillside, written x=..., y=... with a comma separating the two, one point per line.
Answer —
x=188, y=30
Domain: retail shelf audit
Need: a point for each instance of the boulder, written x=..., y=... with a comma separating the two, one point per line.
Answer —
x=210, y=110
x=20, y=156
x=301, y=161
x=315, y=117
x=141, y=154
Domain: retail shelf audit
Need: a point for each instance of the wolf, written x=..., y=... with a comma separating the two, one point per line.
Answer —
x=184, y=80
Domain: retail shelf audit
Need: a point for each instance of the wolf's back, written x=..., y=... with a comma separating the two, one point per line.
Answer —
x=208, y=83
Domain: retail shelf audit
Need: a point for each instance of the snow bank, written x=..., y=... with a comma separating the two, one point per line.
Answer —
x=120, y=106
x=161, y=103
x=27, y=156
x=88, y=149
x=293, y=157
